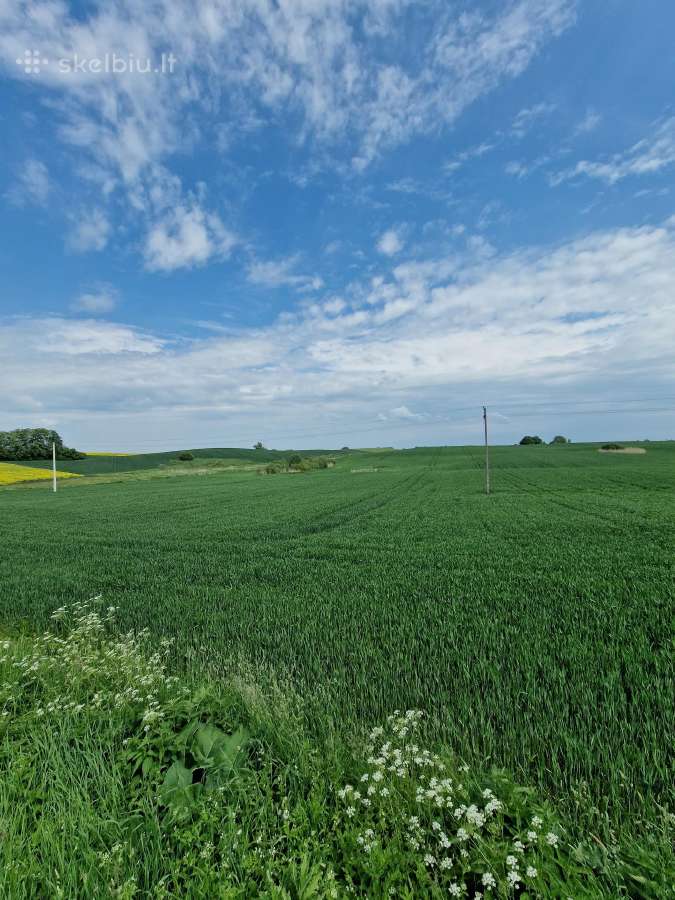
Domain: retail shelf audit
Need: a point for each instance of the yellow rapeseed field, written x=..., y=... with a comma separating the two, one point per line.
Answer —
x=10, y=473
x=105, y=453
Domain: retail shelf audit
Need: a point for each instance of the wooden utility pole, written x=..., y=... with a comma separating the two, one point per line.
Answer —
x=487, y=452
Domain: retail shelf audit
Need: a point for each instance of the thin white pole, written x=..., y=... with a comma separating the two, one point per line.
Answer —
x=53, y=466
x=487, y=452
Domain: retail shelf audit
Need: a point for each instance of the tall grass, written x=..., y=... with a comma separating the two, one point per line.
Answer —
x=120, y=780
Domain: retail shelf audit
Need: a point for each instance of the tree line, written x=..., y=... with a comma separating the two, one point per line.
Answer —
x=34, y=443
x=535, y=439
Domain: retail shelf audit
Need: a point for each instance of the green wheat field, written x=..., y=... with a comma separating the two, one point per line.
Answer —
x=534, y=626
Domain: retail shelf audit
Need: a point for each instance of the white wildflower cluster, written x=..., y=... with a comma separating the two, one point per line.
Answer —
x=407, y=799
x=367, y=840
x=85, y=668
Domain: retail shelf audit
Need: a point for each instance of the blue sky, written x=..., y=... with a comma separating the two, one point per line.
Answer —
x=337, y=222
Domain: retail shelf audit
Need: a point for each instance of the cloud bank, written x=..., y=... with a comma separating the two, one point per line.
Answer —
x=597, y=309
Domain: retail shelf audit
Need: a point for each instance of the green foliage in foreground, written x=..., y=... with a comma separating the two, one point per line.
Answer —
x=120, y=781
x=33, y=444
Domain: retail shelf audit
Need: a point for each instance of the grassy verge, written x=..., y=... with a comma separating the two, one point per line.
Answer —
x=169, y=470
x=119, y=780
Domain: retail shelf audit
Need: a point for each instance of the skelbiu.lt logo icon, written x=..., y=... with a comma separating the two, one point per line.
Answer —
x=32, y=61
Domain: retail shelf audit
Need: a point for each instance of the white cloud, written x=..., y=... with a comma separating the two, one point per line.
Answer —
x=90, y=231
x=185, y=237
x=566, y=313
x=334, y=306
x=88, y=339
x=278, y=273
x=402, y=412
x=526, y=118
x=521, y=169
x=101, y=300
x=589, y=122
x=32, y=184
x=647, y=157
x=470, y=153
x=390, y=243
x=325, y=63
x=327, y=60
x=518, y=169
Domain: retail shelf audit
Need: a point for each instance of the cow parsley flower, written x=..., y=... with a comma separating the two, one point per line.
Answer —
x=475, y=817
x=552, y=839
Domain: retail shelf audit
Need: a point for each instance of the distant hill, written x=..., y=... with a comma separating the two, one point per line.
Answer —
x=97, y=465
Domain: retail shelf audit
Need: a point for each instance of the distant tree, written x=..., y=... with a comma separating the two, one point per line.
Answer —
x=295, y=460
x=258, y=445
x=34, y=443
x=345, y=448
x=186, y=456
x=531, y=439
x=559, y=439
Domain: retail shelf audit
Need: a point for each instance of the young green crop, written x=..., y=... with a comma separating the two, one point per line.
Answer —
x=541, y=615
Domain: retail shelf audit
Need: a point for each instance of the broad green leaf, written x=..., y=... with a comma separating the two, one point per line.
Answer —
x=177, y=790
x=215, y=750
